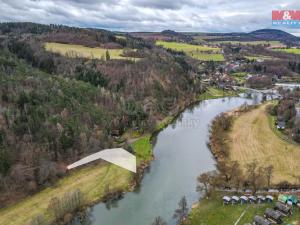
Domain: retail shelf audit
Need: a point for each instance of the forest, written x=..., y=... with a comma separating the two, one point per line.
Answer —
x=55, y=109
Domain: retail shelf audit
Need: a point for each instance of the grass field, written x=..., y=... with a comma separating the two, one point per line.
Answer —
x=212, y=93
x=259, y=57
x=91, y=181
x=252, y=138
x=239, y=76
x=212, y=212
x=203, y=53
x=288, y=50
x=73, y=51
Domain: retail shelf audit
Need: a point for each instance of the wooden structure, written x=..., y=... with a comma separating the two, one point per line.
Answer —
x=261, y=199
x=252, y=199
x=244, y=199
x=258, y=220
x=284, y=209
x=269, y=198
x=226, y=200
x=235, y=199
x=273, y=215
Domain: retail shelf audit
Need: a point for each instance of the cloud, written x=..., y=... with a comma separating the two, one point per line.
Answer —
x=149, y=15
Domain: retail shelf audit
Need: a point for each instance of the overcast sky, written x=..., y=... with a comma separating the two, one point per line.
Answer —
x=150, y=15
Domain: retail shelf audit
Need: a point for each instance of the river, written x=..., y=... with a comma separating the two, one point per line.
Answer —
x=181, y=154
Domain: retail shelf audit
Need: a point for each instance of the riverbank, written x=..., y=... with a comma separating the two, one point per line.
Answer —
x=212, y=212
x=92, y=181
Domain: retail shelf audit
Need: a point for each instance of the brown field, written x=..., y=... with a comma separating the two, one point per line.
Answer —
x=252, y=138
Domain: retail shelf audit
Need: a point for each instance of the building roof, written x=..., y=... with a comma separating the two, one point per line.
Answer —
x=261, y=221
x=281, y=124
x=235, y=198
x=226, y=198
x=261, y=197
x=273, y=214
x=282, y=207
x=244, y=198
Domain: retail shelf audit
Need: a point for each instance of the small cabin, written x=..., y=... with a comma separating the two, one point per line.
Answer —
x=226, y=200
x=258, y=220
x=292, y=199
x=282, y=198
x=244, y=199
x=261, y=199
x=235, y=199
x=281, y=125
x=284, y=209
x=269, y=198
x=271, y=214
x=252, y=199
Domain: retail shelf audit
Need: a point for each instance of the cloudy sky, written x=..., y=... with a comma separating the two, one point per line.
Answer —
x=149, y=15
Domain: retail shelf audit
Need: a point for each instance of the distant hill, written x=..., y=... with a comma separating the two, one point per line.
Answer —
x=273, y=34
x=258, y=35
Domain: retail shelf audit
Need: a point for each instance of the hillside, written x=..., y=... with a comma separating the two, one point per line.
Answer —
x=273, y=34
x=257, y=35
x=55, y=107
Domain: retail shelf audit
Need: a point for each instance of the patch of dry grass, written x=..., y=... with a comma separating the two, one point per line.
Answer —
x=252, y=138
x=91, y=181
x=72, y=51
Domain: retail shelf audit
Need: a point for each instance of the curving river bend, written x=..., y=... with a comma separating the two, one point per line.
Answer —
x=181, y=154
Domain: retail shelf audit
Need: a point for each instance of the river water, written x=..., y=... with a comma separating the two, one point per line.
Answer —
x=181, y=154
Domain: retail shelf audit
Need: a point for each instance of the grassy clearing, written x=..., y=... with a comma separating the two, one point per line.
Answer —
x=73, y=51
x=212, y=212
x=252, y=138
x=288, y=50
x=91, y=181
x=166, y=121
x=207, y=56
x=143, y=148
x=212, y=93
x=259, y=57
x=200, y=52
x=121, y=37
x=240, y=77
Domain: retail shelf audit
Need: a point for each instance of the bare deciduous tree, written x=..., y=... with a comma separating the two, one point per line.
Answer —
x=181, y=213
x=159, y=221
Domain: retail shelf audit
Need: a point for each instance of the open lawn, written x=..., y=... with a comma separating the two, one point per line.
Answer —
x=288, y=50
x=239, y=76
x=212, y=93
x=212, y=212
x=71, y=50
x=259, y=57
x=200, y=52
x=90, y=180
x=252, y=138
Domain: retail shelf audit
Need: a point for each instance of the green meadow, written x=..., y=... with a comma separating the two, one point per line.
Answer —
x=289, y=50
x=259, y=57
x=200, y=52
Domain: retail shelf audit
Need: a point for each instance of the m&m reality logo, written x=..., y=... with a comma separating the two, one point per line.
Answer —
x=287, y=18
